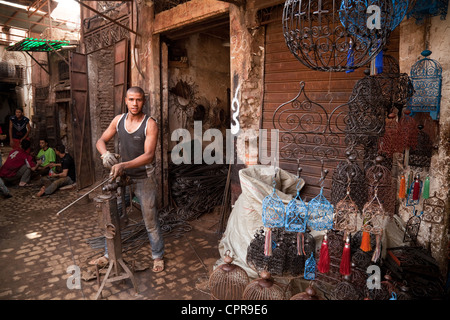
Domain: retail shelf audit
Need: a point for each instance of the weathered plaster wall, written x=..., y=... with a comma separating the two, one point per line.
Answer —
x=413, y=39
x=145, y=69
x=247, y=74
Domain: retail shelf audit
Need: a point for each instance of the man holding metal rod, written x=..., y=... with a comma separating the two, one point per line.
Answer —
x=138, y=136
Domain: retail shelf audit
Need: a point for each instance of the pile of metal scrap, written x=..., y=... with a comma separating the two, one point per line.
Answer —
x=415, y=272
x=197, y=189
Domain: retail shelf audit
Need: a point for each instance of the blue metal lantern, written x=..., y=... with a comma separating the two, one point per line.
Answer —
x=273, y=216
x=428, y=8
x=310, y=268
x=296, y=213
x=320, y=213
x=426, y=77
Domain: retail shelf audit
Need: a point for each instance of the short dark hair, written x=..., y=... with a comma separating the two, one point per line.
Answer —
x=60, y=148
x=136, y=90
x=25, y=144
x=20, y=109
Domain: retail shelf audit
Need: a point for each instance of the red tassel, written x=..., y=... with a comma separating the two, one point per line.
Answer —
x=402, y=191
x=324, y=259
x=268, y=243
x=416, y=189
x=345, y=260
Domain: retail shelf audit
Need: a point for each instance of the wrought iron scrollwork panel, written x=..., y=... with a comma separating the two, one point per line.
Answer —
x=309, y=132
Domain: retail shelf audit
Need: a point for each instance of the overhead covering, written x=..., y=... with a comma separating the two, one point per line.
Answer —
x=30, y=15
x=38, y=45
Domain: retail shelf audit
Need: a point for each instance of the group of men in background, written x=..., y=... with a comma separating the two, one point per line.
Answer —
x=21, y=167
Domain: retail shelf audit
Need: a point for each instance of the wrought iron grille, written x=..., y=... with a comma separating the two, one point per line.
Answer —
x=309, y=132
x=433, y=210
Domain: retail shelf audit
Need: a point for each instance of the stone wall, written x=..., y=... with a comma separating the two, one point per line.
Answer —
x=413, y=40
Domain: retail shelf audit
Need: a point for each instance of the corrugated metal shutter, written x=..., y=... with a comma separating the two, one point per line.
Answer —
x=283, y=74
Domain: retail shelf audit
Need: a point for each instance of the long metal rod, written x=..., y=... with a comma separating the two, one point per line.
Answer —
x=106, y=17
x=102, y=183
x=48, y=72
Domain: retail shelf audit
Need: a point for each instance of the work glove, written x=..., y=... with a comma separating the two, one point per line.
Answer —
x=109, y=159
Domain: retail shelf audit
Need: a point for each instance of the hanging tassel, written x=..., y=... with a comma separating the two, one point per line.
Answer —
x=324, y=258
x=416, y=189
x=268, y=243
x=377, y=252
x=365, y=242
x=402, y=190
x=344, y=268
x=379, y=62
x=300, y=244
x=408, y=191
x=426, y=188
x=350, y=58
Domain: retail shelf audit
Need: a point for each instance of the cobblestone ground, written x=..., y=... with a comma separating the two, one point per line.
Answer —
x=38, y=248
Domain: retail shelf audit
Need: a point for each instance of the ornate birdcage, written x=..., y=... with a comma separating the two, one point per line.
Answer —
x=264, y=288
x=309, y=294
x=329, y=36
x=426, y=77
x=310, y=268
x=320, y=213
x=366, y=115
x=396, y=87
x=273, y=215
x=428, y=8
x=255, y=251
x=420, y=155
x=289, y=252
x=345, y=214
x=412, y=227
x=374, y=216
x=296, y=213
x=349, y=170
x=433, y=210
x=345, y=290
x=379, y=178
x=228, y=280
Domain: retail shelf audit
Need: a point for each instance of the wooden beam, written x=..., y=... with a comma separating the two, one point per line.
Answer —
x=235, y=2
x=36, y=6
x=34, y=22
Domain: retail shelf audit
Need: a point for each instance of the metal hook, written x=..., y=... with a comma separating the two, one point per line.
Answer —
x=299, y=170
x=323, y=174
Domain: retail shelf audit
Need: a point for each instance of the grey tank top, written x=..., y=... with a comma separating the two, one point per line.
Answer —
x=131, y=146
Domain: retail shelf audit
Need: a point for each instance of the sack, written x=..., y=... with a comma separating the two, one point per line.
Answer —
x=246, y=217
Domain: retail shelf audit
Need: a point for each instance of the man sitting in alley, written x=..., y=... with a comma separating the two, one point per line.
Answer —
x=46, y=156
x=59, y=180
x=18, y=165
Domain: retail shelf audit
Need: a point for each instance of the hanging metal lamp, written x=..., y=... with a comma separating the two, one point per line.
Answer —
x=336, y=35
